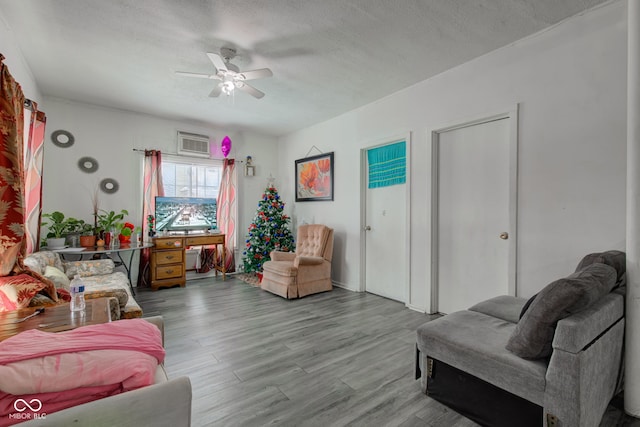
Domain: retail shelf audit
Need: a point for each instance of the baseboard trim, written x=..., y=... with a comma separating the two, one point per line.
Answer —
x=416, y=308
x=343, y=286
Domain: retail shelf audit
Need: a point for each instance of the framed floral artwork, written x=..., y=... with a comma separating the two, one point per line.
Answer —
x=314, y=178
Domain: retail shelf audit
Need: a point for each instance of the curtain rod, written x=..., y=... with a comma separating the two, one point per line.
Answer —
x=28, y=104
x=140, y=150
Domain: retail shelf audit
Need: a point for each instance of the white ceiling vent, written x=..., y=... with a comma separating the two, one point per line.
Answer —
x=191, y=144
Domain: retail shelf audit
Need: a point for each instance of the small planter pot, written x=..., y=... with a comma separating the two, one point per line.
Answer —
x=87, y=241
x=55, y=243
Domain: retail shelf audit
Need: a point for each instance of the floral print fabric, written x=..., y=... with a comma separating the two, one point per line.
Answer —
x=88, y=268
x=11, y=173
x=17, y=291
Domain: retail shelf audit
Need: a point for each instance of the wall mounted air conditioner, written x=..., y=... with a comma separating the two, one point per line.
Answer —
x=191, y=144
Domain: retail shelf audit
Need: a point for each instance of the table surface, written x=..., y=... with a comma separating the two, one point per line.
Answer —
x=56, y=318
x=103, y=249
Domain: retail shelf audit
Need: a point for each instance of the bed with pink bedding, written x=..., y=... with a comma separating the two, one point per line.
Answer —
x=43, y=372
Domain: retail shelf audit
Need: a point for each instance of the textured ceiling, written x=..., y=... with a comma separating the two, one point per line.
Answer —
x=327, y=56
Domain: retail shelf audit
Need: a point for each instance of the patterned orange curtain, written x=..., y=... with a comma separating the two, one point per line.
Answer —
x=33, y=160
x=152, y=187
x=11, y=169
x=227, y=211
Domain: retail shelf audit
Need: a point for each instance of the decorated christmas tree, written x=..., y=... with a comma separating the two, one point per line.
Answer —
x=268, y=231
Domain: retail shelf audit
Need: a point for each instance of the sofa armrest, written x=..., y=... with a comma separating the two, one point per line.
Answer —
x=164, y=404
x=282, y=256
x=585, y=365
x=159, y=322
x=580, y=385
x=579, y=330
x=308, y=260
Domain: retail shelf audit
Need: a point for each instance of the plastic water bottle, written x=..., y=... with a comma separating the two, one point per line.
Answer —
x=77, y=294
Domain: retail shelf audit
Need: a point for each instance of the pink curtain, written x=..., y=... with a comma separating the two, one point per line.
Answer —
x=152, y=188
x=11, y=170
x=33, y=160
x=227, y=211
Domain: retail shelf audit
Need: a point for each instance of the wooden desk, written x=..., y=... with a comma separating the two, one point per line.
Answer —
x=211, y=240
x=56, y=318
x=168, y=258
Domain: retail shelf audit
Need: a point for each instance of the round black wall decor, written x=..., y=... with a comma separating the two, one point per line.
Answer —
x=88, y=164
x=62, y=138
x=109, y=185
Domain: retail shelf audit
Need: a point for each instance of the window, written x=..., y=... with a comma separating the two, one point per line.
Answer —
x=188, y=177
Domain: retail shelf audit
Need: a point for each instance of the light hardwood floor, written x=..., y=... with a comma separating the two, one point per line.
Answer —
x=332, y=359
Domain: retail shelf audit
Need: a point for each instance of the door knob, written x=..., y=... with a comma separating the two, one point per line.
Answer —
x=504, y=235
x=367, y=228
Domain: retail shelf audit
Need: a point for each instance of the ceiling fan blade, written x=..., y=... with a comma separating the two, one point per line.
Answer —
x=249, y=89
x=217, y=61
x=256, y=74
x=198, y=75
x=216, y=91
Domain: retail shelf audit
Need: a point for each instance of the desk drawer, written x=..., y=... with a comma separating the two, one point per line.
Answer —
x=168, y=257
x=169, y=271
x=205, y=240
x=168, y=243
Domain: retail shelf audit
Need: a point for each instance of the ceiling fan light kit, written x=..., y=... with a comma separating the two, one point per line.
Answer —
x=229, y=75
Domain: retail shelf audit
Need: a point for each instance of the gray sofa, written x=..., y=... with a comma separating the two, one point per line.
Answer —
x=165, y=403
x=558, y=355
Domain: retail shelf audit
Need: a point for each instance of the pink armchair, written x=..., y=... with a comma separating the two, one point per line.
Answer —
x=305, y=272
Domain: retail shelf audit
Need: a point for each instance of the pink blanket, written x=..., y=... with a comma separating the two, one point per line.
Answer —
x=42, y=372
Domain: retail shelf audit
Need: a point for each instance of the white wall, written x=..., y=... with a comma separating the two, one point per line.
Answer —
x=15, y=61
x=569, y=82
x=110, y=135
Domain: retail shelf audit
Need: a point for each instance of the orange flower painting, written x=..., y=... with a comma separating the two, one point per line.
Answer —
x=314, y=178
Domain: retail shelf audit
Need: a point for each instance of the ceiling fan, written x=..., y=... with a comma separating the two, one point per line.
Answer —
x=229, y=75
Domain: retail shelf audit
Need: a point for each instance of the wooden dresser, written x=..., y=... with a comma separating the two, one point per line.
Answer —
x=168, y=258
x=167, y=262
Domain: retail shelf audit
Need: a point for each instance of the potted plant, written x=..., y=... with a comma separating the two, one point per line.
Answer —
x=57, y=228
x=88, y=237
x=75, y=230
x=125, y=231
x=108, y=221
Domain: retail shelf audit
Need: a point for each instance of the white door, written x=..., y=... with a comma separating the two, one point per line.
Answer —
x=386, y=258
x=475, y=214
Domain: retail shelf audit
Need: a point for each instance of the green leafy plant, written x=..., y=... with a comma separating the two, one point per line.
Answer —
x=57, y=225
x=108, y=220
x=124, y=228
x=88, y=229
x=76, y=226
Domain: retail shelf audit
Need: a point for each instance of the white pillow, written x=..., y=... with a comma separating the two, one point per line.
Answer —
x=57, y=277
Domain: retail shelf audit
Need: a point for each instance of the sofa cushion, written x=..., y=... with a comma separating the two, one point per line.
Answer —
x=38, y=261
x=503, y=307
x=87, y=268
x=113, y=284
x=282, y=268
x=615, y=259
x=533, y=335
x=475, y=343
x=57, y=276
